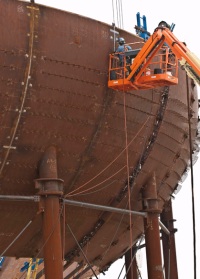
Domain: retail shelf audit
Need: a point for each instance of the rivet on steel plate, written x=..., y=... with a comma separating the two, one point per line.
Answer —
x=26, y=55
x=22, y=83
x=28, y=34
x=30, y=85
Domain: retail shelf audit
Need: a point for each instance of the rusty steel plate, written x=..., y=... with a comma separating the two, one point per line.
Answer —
x=53, y=92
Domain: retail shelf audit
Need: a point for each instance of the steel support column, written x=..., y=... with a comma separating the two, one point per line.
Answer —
x=168, y=241
x=152, y=233
x=50, y=190
x=131, y=265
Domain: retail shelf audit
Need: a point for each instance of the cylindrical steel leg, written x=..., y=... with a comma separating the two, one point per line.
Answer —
x=153, y=247
x=52, y=237
x=152, y=232
x=50, y=191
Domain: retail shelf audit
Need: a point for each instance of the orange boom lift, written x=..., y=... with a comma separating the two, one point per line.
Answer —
x=155, y=64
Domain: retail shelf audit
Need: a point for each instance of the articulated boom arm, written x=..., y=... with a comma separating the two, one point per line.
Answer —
x=189, y=61
x=146, y=54
x=160, y=36
x=155, y=64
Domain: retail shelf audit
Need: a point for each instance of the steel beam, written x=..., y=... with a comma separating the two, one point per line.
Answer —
x=19, y=198
x=105, y=208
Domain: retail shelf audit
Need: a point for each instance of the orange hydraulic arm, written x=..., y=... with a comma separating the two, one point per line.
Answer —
x=186, y=58
x=160, y=36
x=156, y=51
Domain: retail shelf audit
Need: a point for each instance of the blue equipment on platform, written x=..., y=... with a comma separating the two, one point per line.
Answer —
x=141, y=28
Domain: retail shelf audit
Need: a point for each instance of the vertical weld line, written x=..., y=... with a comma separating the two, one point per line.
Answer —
x=24, y=92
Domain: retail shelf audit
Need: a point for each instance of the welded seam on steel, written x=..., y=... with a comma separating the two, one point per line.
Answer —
x=95, y=135
x=158, y=120
x=25, y=87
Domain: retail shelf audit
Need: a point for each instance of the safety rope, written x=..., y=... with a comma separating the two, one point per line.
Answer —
x=131, y=188
x=95, y=186
x=111, y=163
x=121, y=219
x=192, y=180
x=128, y=182
x=127, y=205
x=142, y=159
x=99, y=189
x=128, y=174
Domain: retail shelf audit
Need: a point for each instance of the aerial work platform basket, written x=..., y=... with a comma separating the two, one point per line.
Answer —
x=160, y=69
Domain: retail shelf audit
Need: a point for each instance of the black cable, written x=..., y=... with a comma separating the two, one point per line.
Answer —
x=134, y=255
x=192, y=178
x=121, y=271
x=82, y=251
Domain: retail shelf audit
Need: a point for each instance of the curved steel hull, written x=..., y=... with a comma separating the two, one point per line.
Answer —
x=53, y=91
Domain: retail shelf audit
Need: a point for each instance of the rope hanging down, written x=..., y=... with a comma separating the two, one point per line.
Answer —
x=192, y=182
x=117, y=6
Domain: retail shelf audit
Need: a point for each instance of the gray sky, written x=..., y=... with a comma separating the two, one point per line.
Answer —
x=185, y=15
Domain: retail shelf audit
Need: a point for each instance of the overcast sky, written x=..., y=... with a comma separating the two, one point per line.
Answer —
x=185, y=16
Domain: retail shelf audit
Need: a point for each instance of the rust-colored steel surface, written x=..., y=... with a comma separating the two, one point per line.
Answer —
x=53, y=92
